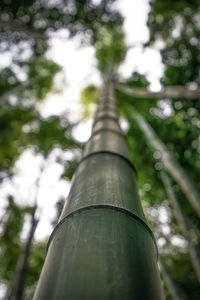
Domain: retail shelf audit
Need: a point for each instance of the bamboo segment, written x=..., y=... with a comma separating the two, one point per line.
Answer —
x=102, y=247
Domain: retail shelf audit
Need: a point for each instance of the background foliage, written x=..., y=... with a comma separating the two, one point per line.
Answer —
x=26, y=26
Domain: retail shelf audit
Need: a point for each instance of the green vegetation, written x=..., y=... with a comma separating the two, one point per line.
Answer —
x=89, y=98
x=174, y=119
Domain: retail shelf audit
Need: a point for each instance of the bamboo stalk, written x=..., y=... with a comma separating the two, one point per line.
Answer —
x=102, y=247
x=169, y=163
x=181, y=220
x=169, y=280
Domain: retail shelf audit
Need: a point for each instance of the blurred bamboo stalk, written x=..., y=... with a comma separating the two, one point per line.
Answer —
x=168, y=161
x=169, y=280
x=182, y=222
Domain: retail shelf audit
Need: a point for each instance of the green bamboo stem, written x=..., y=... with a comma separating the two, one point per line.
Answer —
x=102, y=247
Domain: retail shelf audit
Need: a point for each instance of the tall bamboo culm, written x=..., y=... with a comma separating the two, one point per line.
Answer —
x=102, y=248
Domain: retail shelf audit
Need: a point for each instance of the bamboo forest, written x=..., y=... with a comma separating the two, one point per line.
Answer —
x=100, y=149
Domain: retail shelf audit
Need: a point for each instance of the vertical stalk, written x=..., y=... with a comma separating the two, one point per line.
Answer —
x=102, y=247
x=181, y=220
x=169, y=162
x=19, y=282
x=169, y=281
x=20, y=278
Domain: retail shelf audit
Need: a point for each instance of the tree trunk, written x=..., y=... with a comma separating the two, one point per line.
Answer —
x=169, y=281
x=168, y=161
x=20, y=278
x=102, y=247
x=166, y=92
x=18, y=287
x=182, y=223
